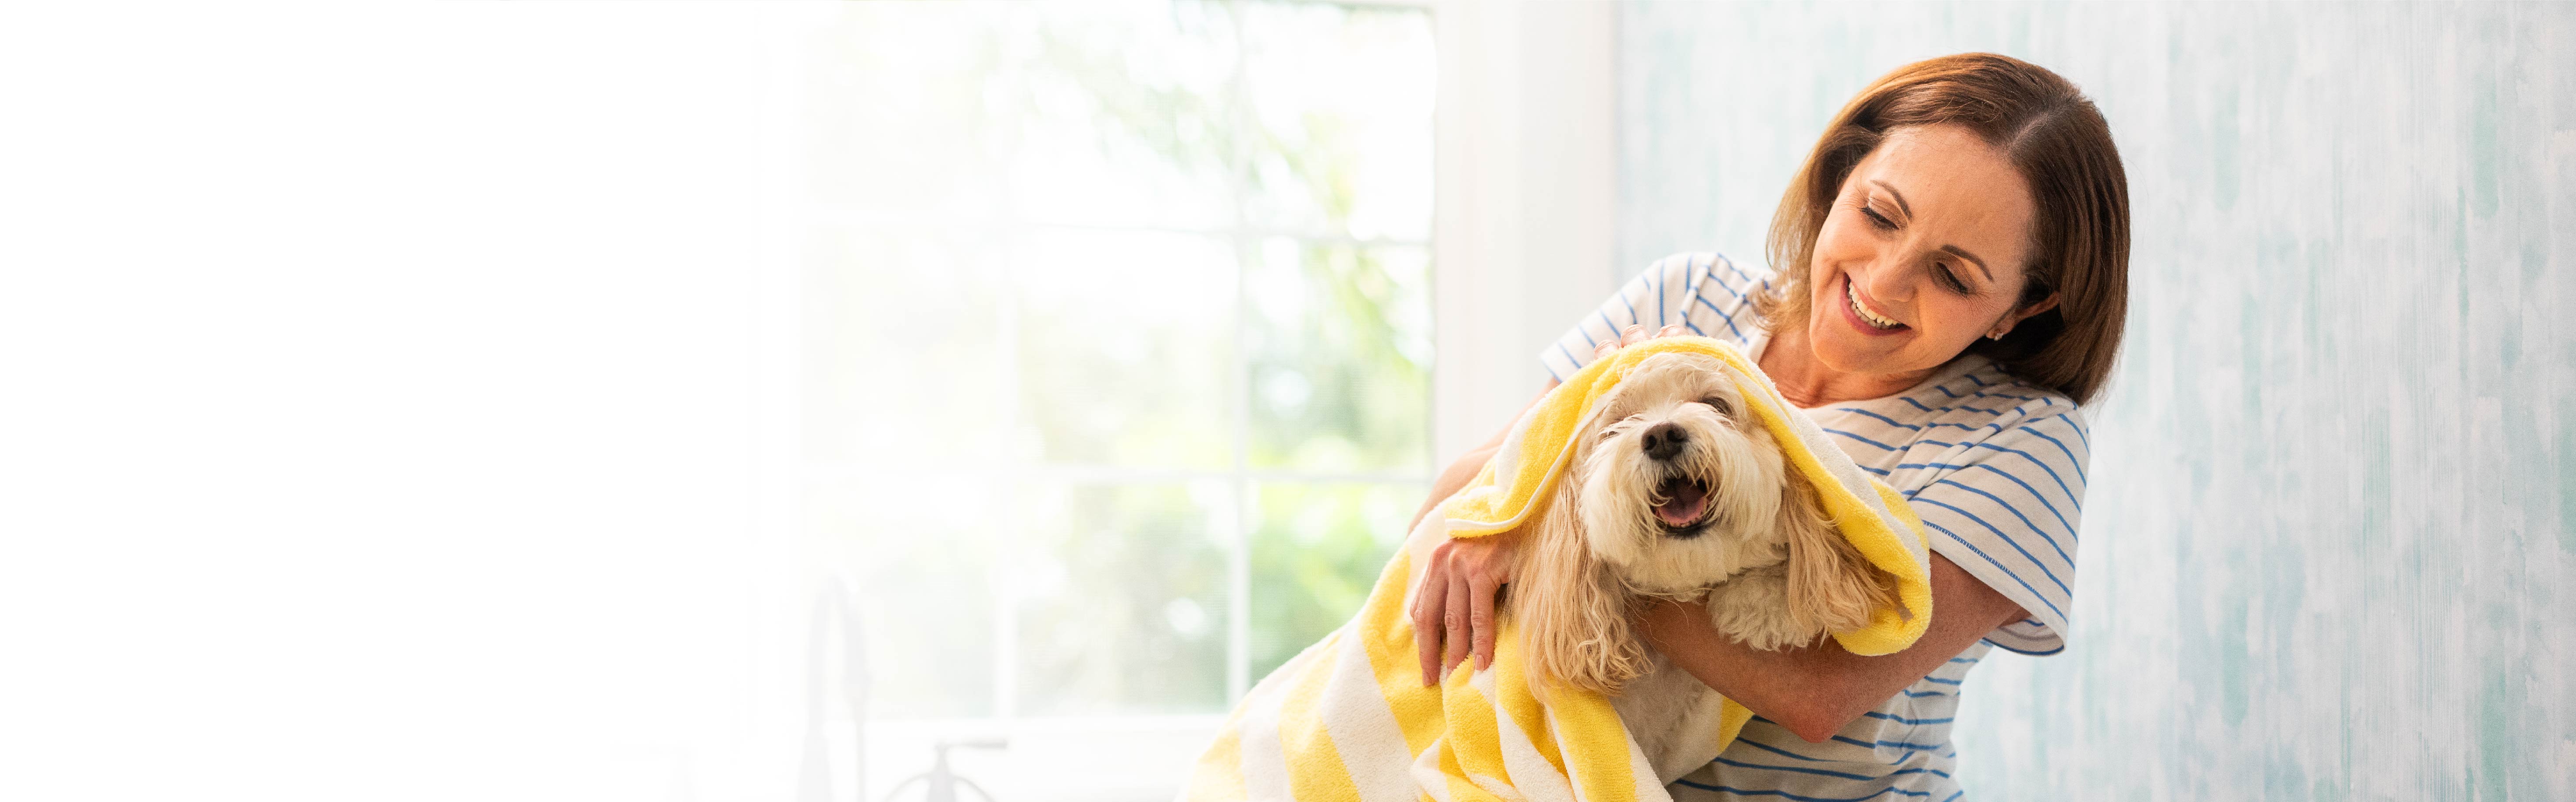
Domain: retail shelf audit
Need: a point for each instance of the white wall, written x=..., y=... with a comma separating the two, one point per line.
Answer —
x=387, y=404
x=1527, y=176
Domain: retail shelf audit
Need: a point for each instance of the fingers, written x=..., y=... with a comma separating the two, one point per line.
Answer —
x=1673, y=331
x=1480, y=617
x=1630, y=336
x=1455, y=642
x=1428, y=605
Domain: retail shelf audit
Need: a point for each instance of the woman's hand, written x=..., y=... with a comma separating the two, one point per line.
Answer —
x=1453, y=606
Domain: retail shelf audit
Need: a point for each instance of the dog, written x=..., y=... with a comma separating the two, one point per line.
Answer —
x=1676, y=492
x=1664, y=484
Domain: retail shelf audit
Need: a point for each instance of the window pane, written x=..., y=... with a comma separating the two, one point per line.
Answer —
x=1126, y=117
x=884, y=304
x=1123, y=591
x=918, y=549
x=1343, y=97
x=1340, y=357
x=1125, y=342
x=1315, y=555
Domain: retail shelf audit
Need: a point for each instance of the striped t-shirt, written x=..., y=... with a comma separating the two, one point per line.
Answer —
x=1993, y=465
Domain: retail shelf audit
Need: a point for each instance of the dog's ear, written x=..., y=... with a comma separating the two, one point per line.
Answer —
x=1832, y=588
x=1573, y=614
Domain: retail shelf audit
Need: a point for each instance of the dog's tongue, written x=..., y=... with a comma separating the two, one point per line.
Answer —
x=1685, y=501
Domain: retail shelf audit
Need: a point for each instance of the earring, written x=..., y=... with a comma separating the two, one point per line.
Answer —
x=1998, y=337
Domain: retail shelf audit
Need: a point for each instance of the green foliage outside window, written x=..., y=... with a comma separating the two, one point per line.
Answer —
x=1191, y=240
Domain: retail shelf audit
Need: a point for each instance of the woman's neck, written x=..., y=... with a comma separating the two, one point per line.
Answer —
x=1790, y=360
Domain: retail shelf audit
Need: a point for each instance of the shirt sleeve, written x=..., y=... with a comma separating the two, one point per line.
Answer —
x=2005, y=508
x=1702, y=291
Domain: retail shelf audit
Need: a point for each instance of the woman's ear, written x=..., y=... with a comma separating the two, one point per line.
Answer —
x=1832, y=588
x=1572, y=614
x=2026, y=312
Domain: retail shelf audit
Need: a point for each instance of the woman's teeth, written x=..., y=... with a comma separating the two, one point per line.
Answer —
x=1852, y=294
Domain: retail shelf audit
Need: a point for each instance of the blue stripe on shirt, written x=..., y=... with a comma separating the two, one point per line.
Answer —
x=2025, y=584
x=1569, y=358
x=1862, y=439
x=2072, y=461
x=1721, y=315
x=1888, y=420
x=1919, y=405
x=1843, y=774
x=2008, y=540
x=2034, y=493
x=2052, y=472
x=2025, y=520
x=1786, y=795
x=1662, y=311
x=1739, y=271
x=1729, y=288
x=1897, y=744
x=1777, y=750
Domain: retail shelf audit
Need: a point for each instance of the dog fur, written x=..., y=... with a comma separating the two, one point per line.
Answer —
x=1771, y=569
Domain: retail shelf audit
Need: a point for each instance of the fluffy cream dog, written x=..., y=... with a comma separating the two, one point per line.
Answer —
x=1675, y=493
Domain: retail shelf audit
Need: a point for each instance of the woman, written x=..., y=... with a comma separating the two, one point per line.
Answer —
x=1960, y=243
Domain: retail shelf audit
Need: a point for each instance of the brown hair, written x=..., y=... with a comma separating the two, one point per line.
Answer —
x=2063, y=148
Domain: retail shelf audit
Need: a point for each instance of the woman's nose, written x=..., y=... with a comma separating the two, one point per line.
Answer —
x=1888, y=283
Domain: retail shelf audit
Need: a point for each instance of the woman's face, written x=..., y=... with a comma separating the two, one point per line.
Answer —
x=1921, y=255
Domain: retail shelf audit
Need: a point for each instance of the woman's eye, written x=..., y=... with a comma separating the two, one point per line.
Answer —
x=1877, y=219
x=1950, y=279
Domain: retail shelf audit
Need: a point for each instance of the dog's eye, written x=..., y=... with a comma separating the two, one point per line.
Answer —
x=1719, y=404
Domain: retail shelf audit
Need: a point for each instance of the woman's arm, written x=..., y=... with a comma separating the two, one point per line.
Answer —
x=1815, y=690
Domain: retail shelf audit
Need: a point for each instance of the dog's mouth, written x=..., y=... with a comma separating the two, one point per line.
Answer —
x=1683, y=501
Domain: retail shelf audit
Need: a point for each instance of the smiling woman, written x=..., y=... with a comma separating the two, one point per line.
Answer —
x=1950, y=264
x=2018, y=215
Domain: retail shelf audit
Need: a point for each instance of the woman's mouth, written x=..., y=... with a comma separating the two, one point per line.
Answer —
x=1860, y=315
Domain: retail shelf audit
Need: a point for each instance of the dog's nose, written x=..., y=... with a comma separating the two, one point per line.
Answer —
x=1665, y=440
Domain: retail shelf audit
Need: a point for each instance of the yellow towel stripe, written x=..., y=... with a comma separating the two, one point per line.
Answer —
x=1518, y=702
x=1315, y=769
x=1730, y=723
x=1220, y=770
x=1388, y=635
x=1471, y=738
x=1595, y=744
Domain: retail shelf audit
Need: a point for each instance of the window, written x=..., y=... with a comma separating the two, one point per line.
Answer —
x=1118, y=341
